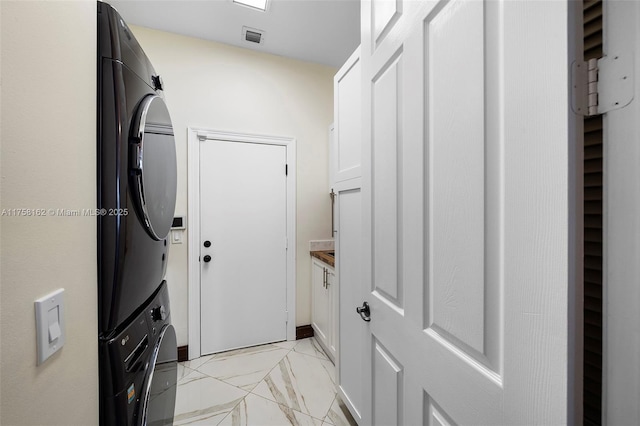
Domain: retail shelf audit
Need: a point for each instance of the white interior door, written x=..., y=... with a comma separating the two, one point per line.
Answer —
x=243, y=289
x=466, y=211
x=621, y=316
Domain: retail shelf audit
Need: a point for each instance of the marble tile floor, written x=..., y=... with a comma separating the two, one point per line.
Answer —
x=286, y=383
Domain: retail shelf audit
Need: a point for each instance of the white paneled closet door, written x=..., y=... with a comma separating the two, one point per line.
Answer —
x=466, y=211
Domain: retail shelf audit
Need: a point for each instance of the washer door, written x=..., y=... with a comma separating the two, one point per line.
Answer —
x=152, y=167
x=158, y=400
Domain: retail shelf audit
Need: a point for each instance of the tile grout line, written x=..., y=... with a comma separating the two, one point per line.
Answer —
x=326, y=416
x=323, y=420
x=323, y=357
x=276, y=402
x=230, y=384
x=250, y=392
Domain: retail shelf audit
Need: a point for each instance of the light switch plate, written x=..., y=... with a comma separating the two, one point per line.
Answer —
x=176, y=236
x=50, y=327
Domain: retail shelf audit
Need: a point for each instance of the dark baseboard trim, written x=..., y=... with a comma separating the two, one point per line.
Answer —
x=304, y=331
x=183, y=353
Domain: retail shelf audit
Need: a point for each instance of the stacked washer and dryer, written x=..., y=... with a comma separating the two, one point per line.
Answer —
x=136, y=198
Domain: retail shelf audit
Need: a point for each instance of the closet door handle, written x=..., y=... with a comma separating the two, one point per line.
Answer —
x=364, y=312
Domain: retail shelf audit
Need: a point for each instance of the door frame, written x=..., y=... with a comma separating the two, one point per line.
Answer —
x=194, y=137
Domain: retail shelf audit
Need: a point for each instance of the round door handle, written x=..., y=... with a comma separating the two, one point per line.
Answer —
x=207, y=243
x=207, y=259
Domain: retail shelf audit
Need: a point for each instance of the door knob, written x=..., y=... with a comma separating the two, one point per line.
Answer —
x=207, y=243
x=364, y=312
x=207, y=259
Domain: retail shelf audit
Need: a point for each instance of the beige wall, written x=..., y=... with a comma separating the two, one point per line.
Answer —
x=48, y=161
x=220, y=87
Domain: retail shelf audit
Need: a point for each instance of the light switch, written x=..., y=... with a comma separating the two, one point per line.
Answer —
x=176, y=236
x=54, y=324
x=49, y=324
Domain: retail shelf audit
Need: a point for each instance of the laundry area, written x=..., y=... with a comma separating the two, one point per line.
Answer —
x=344, y=212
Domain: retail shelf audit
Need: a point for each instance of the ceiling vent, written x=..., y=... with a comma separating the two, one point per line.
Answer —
x=252, y=35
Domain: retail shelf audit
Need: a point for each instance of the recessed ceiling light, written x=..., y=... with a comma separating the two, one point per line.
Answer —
x=255, y=4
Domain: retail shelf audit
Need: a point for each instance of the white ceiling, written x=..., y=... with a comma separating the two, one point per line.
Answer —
x=321, y=31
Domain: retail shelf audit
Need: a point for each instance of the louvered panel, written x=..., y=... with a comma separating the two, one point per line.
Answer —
x=591, y=395
x=591, y=384
x=593, y=262
x=593, y=235
x=596, y=52
x=593, y=193
x=594, y=137
x=592, y=331
x=588, y=413
x=592, y=42
x=591, y=344
x=592, y=276
x=593, y=179
x=594, y=151
x=592, y=370
x=593, y=27
x=593, y=12
x=593, y=165
x=592, y=221
x=592, y=374
x=588, y=4
x=593, y=125
x=592, y=207
x=594, y=321
x=592, y=249
x=594, y=360
x=593, y=304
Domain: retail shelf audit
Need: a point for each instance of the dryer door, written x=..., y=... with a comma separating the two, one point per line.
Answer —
x=152, y=166
x=158, y=399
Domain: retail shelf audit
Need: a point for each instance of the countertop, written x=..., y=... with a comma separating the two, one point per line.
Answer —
x=327, y=256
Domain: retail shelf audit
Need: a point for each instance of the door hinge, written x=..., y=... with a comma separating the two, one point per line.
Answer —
x=286, y=243
x=286, y=170
x=602, y=85
x=286, y=317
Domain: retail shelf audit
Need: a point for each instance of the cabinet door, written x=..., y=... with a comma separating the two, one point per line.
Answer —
x=346, y=152
x=351, y=330
x=332, y=289
x=319, y=302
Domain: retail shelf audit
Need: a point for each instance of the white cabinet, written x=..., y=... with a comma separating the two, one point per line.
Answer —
x=323, y=309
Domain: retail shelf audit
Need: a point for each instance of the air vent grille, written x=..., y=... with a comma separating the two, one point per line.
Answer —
x=252, y=35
